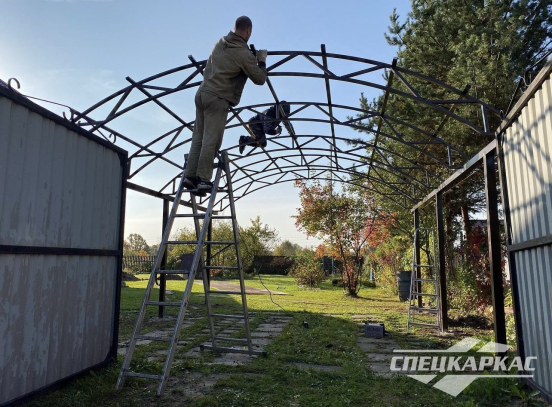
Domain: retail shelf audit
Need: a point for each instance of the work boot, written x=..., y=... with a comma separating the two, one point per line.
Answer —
x=243, y=143
x=190, y=183
x=246, y=141
x=204, y=185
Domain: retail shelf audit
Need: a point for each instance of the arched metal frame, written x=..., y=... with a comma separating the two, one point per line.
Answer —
x=309, y=156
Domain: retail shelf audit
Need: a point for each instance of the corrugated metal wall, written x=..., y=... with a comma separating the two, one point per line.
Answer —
x=527, y=150
x=61, y=209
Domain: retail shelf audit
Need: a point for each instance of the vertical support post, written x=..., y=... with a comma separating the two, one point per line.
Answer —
x=511, y=256
x=163, y=277
x=495, y=255
x=443, y=309
x=417, y=254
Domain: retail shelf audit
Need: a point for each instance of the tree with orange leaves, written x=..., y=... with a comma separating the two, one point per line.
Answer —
x=347, y=220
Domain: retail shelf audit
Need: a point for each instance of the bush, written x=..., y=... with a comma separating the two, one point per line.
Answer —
x=308, y=271
x=511, y=330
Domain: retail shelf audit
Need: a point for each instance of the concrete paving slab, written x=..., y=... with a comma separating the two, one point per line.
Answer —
x=257, y=334
x=381, y=357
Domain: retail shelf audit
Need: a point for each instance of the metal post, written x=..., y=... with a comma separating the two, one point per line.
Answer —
x=443, y=309
x=495, y=255
x=417, y=254
x=163, y=277
x=511, y=256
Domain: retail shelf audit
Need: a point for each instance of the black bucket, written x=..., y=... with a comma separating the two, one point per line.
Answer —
x=403, y=283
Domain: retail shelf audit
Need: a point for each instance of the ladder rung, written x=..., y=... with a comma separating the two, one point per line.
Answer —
x=142, y=375
x=181, y=242
x=228, y=316
x=218, y=242
x=220, y=268
x=222, y=190
x=189, y=215
x=430, y=310
x=426, y=325
x=425, y=280
x=224, y=292
x=423, y=294
x=172, y=271
x=240, y=340
x=168, y=304
x=153, y=338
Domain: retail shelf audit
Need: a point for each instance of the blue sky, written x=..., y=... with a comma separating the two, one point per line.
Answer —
x=77, y=52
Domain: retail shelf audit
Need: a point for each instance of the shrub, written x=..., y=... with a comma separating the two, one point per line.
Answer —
x=308, y=271
x=511, y=330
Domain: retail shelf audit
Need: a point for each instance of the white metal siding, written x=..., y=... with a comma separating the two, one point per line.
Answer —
x=58, y=189
x=528, y=166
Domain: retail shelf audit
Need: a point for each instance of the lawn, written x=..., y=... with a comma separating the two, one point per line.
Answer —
x=334, y=323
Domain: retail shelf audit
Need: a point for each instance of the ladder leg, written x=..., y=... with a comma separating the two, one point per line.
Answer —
x=238, y=256
x=198, y=255
x=147, y=294
x=205, y=271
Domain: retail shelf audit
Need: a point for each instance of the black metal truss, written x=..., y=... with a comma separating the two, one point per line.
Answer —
x=365, y=160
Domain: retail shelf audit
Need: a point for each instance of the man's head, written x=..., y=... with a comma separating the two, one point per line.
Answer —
x=243, y=27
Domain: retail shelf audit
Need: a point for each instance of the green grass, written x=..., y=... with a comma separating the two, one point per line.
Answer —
x=273, y=381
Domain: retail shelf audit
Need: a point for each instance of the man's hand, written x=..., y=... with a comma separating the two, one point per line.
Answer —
x=261, y=55
x=278, y=130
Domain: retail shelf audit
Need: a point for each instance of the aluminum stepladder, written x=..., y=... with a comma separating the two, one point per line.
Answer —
x=197, y=264
x=427, y=236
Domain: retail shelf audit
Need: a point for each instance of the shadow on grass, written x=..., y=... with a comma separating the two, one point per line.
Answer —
x=288, y=376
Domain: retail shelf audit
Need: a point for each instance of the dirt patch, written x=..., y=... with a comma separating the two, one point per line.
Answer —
x=129, y=277
x=471, y=321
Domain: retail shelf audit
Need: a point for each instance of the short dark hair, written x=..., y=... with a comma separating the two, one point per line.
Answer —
x=243, y=23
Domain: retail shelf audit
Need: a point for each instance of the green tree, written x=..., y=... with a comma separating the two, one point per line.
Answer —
x=136, y=243
x=481, y=43
x=256, y=240
x=487, y=45
x=287, y=248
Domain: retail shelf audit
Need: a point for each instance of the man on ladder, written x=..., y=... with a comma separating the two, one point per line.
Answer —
x=226, y=72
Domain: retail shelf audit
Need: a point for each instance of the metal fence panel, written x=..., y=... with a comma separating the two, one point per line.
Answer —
x=70, y=185
x=56, y=318
x=62, y=196
x=527, y=152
